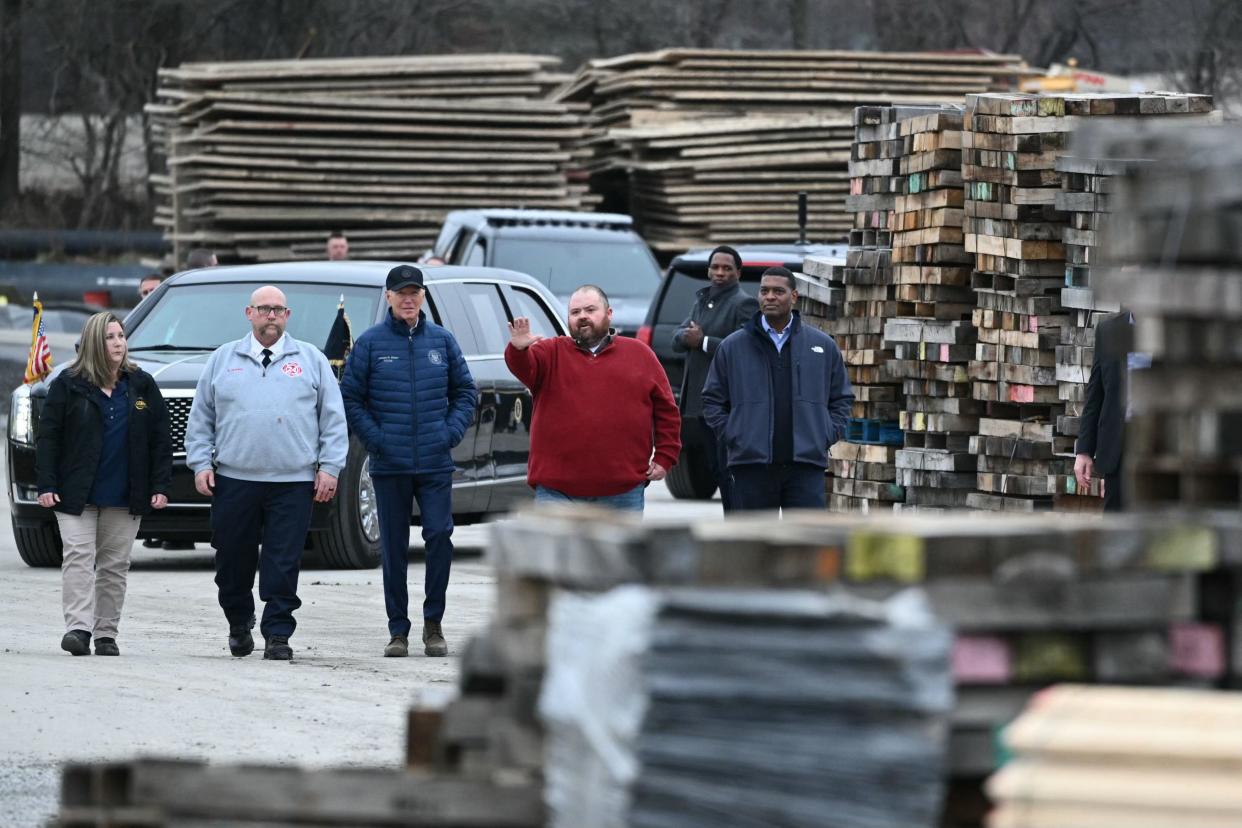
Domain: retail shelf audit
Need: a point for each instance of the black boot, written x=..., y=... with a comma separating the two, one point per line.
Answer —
x=76, y=642
x=241, y=642
x=278, y=649
x=106, y=647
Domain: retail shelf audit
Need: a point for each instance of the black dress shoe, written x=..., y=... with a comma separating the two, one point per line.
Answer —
x=278, y=649
x=241, y=642
x=76, y=642
x=106, y=647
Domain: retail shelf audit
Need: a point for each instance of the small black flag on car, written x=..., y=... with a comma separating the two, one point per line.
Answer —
x=340, y=341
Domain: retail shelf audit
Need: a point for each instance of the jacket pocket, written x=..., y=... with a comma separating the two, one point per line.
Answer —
x=812, y=432
x=748, y=433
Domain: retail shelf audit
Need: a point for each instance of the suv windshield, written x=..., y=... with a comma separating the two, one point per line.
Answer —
x=207, y=316
x=620, y=268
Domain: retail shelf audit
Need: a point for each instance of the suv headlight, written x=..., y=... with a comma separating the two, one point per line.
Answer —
x=21, y=417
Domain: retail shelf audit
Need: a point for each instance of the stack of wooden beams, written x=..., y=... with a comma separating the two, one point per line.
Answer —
x=264, y=159
x=1118, y=599
x=1175, y=262
x=167, y=793
x=682, y=131
x=863, y=463
x=692, y=183
x=1139, y=757
x=932, y=337
x=1016, y=232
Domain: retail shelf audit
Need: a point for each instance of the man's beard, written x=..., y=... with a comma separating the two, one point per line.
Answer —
x=589, y=336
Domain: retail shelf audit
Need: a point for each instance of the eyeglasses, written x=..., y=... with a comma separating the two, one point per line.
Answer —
x=265, y=310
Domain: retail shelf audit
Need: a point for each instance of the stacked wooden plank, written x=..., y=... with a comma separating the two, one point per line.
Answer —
x=1086, y=189
x=931, y=336
x=1016, y=232
x=1127, y=599
x=863, y=463
x=650, y=650
x=1142, y=758
x=713, y=146
x=153, y=793
x=692, y=183
x=264, y=159
x=1175, y=262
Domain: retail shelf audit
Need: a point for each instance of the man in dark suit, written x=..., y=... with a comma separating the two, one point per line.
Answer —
x=1101, y=432
x=719, y=309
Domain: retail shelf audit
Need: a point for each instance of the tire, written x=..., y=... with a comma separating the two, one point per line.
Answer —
x=39, y=545
x=691, y=478
x=351, y=540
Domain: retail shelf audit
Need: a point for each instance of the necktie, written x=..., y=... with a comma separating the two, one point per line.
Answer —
x=267, y=357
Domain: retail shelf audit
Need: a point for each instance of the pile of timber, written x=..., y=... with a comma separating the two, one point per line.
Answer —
x=863, y=470
x=1017, y=234
x=713, y=146
x=638, y=693
x=931, y=335
x=1175, y=261
x=1142, y=758
x=265, y=158
x=1142, y=599
x=153, y=793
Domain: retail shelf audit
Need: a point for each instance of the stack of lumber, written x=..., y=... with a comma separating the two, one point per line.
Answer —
x=863, y=463
x=1017, y=235
x=645, y=681
x=931, y=336
x=1175, y=262
x=1120, y=599
x=152, y=793
x=693, y=185
x=713, y=146
x=1086, y=189
x=264, y=159
x=1142, y=758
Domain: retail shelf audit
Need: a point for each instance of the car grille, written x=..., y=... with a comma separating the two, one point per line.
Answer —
x=178, y=417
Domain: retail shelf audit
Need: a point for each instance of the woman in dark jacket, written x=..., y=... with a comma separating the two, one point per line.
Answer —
x=104, y=459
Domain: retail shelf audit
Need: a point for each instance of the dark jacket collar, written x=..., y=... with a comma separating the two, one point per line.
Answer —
x=755, y=325
x=703, y=293
x=399, y=327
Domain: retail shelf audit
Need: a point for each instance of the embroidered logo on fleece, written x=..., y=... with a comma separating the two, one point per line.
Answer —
x=292, y=369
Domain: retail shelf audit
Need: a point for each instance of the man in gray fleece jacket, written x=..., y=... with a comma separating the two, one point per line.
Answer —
x=266, y=437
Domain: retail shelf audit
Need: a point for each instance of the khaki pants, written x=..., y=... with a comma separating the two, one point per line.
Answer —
x=97, y=547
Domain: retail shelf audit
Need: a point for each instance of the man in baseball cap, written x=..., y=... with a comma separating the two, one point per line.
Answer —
x=410, y=399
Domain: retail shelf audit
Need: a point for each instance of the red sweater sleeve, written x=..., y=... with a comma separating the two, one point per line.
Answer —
x=667, y=417
x=528, y=365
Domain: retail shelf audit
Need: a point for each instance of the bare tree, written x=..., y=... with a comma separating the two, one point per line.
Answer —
x=10, y=100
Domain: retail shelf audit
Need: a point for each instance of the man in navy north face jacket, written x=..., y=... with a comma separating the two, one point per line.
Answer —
x=778, y=396
x=409, y=397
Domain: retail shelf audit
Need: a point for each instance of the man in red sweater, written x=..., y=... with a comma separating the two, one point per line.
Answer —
x=605, y=424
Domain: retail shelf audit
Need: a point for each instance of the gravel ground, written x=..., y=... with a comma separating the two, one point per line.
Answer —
x=176, y=692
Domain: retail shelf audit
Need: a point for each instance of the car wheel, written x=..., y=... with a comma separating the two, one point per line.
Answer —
x=352, y=539
x=691, y=478
x=39, y=545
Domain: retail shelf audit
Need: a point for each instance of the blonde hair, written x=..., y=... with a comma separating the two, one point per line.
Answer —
x=92, y=362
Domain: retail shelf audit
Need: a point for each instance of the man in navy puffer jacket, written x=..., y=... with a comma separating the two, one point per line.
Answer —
x=409, y=397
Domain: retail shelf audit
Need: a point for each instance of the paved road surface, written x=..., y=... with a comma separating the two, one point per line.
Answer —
x=176, y=692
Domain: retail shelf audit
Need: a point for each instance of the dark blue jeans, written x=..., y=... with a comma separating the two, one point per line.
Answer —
x=394, y=494
x=778, y=486
x=245, y=514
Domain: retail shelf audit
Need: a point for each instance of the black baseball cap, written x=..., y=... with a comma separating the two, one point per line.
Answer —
x=403, y=276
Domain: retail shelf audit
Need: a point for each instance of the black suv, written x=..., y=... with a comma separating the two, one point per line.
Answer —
x=691, y=478
x=174, y=330
x=562, y=250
